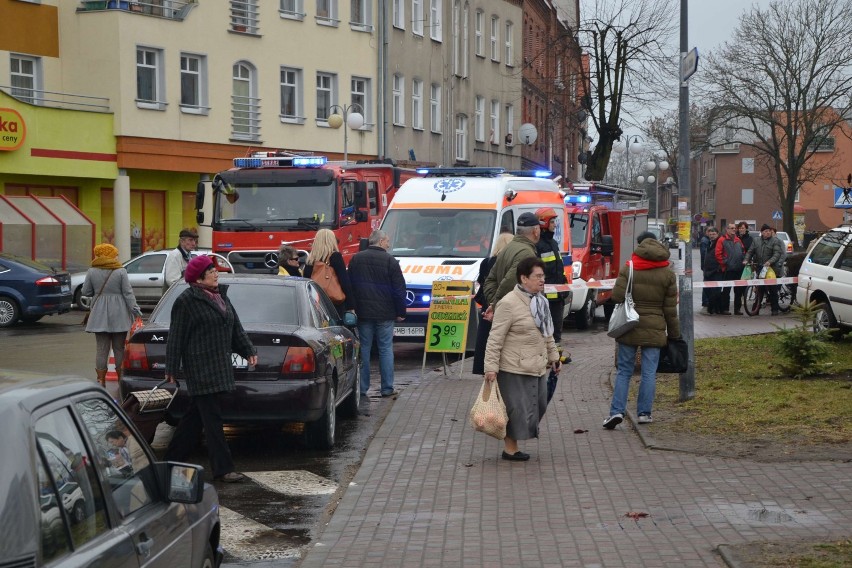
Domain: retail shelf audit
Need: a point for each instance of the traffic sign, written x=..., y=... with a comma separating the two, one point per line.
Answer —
x=843, y=197
x=776, y=215
x=688, y=64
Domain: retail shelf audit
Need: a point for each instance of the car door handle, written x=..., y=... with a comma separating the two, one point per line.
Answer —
x=143, y=547
x=153, y=278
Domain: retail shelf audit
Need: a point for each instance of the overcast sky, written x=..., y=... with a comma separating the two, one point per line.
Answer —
x=711, y=21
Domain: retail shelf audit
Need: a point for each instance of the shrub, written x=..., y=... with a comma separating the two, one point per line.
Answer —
x=803, y=351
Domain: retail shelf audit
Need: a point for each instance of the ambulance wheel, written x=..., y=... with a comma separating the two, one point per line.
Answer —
x=586, y=316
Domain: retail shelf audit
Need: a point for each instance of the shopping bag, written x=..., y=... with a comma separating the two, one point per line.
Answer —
x=770, y=272
x=624, y=315
x=488, y=414
x=748, y=273
x=674, y=357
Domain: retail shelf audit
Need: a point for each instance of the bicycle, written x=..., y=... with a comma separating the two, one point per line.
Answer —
x=757, y=297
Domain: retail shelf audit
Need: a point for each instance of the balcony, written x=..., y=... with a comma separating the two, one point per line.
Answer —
x=169, y=9
x=54, y=99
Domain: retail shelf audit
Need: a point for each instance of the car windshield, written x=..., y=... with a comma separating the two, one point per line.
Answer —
x=254, y=303
x=440, y=233
x=579, y=222
x=827, y=247
x=288, y=206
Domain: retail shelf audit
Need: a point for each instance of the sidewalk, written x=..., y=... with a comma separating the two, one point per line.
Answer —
x=432, y=492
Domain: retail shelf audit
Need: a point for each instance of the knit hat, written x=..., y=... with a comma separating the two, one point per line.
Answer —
x=105, y=250
x=196, y=267
x=765, y=226
x=645, y=235
x=527, y=220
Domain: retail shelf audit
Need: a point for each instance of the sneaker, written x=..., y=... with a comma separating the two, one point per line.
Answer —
x=645, y=419
x=392, y=393
x=704, y=311
x=613, y=421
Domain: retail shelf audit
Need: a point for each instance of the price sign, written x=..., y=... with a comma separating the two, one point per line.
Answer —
x=446, y=328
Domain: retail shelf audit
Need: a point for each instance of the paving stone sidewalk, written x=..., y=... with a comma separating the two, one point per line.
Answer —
x=432, y=492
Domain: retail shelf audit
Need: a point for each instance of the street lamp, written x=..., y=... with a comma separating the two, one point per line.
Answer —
x=654, y=165
x=628, y=147
x=350, y=115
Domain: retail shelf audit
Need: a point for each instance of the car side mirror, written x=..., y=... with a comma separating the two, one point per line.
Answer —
x=199, y=217
x=200, y=190
x=606, y=245
x=184, y=483
x=360, y=194
x=361, y=216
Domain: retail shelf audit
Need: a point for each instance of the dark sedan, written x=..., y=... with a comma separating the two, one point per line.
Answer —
x=307, y=363
x=30, y=290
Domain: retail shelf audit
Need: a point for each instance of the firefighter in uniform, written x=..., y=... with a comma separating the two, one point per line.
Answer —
x=554, y=270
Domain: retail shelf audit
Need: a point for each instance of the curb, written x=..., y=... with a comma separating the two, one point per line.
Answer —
x=729, y=556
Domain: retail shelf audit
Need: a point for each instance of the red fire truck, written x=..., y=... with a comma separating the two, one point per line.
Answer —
x=604, y=221
x=275, y=198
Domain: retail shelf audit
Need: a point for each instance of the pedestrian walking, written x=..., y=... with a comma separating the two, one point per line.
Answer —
x=519, y=352
x=378, y=290
x=502, y=277
x=768, y=252
x=204, y=331
x=708, y=241
x=288, y=261
x=179, y=256
x=654, y=291
x=324, y=249
x=547, y=250
x=740, y=291
x=112, y=308
x=484, y=327
x=729, y=252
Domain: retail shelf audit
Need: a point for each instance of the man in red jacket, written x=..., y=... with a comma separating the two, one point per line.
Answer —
x=729, y=253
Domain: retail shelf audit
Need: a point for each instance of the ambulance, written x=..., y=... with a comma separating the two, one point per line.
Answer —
x=442, y=225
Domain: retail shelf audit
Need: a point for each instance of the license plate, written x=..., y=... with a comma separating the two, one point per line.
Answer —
x=65, y=288
x=409, y=331
x=238, y=362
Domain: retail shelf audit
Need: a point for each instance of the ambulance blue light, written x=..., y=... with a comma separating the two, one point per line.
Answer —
x=423, y=171
x=425, y=298
x=310, y=161
x=542, y=173
x=578, y=199
x=248, y=162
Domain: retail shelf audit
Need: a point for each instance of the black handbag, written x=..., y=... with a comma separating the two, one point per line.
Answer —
x=674, y=357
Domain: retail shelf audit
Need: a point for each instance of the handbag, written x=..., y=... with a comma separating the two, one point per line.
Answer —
x=624, y=316
x=324, y=275
x=92, y=305
x=674, y=357
x=488, y=414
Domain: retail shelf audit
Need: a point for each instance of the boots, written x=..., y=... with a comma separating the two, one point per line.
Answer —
x=101, y=376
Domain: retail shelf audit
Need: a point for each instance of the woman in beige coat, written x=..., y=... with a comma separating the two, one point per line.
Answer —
x=520, y=349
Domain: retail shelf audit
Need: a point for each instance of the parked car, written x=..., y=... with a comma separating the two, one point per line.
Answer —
x=826, y=277
x=30, y=290
x=785, y=240
x=64, y=503
x=307, y=365
x=147, y=276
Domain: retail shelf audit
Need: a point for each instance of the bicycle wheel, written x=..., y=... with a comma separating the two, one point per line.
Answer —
x=785, y=298
x=752, y=300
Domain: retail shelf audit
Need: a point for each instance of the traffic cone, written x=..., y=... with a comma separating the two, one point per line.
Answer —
x=111, y=374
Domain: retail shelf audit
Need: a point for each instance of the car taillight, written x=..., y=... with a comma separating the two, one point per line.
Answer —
x=135, y=357
x=789, y=247
x=47, y=281
x=299, y=360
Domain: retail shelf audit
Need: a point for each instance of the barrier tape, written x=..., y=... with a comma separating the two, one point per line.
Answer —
x=609, y=284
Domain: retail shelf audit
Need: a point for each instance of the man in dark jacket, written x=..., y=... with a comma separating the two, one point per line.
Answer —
x=503, y=276
x=654, y=291
x=740, y=291
x=378, y=288
x=708, y=240
x=767, y=252
x=729, y=253
x=547, y=250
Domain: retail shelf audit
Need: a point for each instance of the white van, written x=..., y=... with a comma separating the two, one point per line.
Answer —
x=441, y=226
x=826, y=277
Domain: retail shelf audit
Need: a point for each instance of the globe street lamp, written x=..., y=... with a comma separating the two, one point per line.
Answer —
x=628, y=147
x=352, y=115
x=653, y=165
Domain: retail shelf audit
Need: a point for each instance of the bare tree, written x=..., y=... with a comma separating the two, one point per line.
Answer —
x=781, y=84
x=631, y=63
x=664, y=133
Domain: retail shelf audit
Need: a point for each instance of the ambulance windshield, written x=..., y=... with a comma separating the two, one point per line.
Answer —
x=444, y=233
x=285, y=206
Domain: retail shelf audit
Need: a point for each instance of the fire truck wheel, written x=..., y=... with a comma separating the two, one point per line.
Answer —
x=586, y=316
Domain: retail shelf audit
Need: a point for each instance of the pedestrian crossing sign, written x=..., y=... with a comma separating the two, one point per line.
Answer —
x=843, y=197
x=776, y=215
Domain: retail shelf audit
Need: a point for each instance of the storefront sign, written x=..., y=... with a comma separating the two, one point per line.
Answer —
x=12, y=129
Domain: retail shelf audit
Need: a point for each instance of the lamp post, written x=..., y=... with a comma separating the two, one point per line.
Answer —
x=350, y=115
x=628, y=147
x=654, y=165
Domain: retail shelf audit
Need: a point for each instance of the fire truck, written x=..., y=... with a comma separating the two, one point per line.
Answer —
x=604, y=222
x=274, y=198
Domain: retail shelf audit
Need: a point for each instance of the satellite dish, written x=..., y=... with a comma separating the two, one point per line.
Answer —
x=527, y=133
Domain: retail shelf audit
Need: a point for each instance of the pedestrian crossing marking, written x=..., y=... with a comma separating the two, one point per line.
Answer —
x=293, y=482
x=245, y=539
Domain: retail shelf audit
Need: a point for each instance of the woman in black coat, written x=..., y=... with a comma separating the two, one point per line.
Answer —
x=203, y=332
x=484, y=327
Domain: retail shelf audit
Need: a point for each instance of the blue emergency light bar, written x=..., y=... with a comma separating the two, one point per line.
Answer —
x=569, y=199
x=313, y=161
x=531, y=173
x=281, y=162
x=460, y=172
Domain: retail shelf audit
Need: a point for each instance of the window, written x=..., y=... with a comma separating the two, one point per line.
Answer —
x=478, y=23
x=465, y=49
x=495, y=31
x=245, y=106
x=292, y=105
x=26, y=78
x=244, y=16
x=326, y=94
x=417, y=104
x=495, y=122
x=748, y=166
x=327, y=12
x=435, y=18
x=193, y=83
x=510, y=124
x=149, y=78
x=399, y=14
x=361, y=96
x=435, y=107
x=479, y=119
x=372, y=198
x=417, y=17
x=293, y=9
x=361, y=16
x=508, y=43
x=398, y=97
x=461, y=138
x=748, y=197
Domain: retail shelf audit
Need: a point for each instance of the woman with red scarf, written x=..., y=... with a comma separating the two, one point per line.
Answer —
x=654, y=292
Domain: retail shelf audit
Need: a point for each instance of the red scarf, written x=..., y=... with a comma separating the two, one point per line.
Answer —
x=640, y=263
